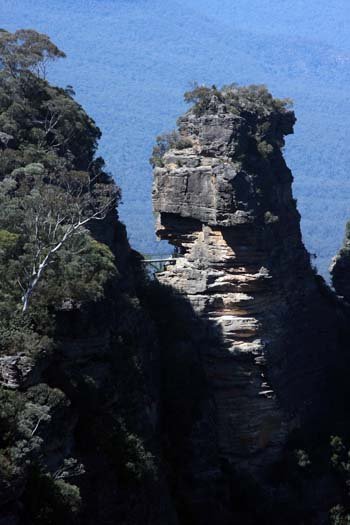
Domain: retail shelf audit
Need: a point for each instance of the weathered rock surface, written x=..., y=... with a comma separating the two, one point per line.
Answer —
x=225, y=202
x=15, y=370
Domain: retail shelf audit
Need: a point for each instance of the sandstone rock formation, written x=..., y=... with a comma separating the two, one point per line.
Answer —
x=222, y=193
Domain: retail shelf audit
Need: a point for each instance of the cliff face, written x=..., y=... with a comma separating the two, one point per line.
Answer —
x=222, y=192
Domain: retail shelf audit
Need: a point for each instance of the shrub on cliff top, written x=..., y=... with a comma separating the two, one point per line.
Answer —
x=201, y=96
x=265, y=121
x=253, y=99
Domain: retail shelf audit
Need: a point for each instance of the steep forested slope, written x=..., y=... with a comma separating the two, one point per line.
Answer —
x=78, y=408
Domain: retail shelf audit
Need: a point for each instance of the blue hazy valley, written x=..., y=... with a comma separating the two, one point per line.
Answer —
x=130, y=62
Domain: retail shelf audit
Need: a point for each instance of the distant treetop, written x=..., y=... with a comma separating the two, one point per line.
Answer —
x=26, y=50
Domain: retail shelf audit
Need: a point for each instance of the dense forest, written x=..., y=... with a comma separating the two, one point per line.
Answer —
x=51, y=187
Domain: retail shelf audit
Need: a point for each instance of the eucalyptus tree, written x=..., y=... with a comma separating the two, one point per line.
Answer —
x=51, y=185
x=26, y=50
x=41, y=213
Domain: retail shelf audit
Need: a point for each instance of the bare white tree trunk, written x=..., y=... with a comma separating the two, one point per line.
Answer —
x=39, y=270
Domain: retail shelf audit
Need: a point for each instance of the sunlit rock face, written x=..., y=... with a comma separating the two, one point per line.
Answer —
x=222, y=194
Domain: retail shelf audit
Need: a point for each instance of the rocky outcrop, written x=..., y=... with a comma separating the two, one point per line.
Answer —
x=14, y=370
x=222, y=193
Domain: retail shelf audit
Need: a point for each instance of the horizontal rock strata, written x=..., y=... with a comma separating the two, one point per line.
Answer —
x=223, y=198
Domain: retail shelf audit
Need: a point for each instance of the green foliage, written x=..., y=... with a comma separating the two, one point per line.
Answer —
x=78, y=273
x=8, y=242
x=134, y=462
x=25, y=417
x=345, y=249
x=340, y=461
x=265, y=149
x=338, y=516
x=38, y=122
x=18, y=335
x=35, y=215
x=347, y=230
x=338, y=450
x=250, y=99
x=270, y=218
x=49, y=183
x=71, y=468
x=26, y=50
x=11, y=403
x=302, y=458
x=48, y=501
x=201, y=96
x=332, y=461
x=165, y=142
x=125, y=449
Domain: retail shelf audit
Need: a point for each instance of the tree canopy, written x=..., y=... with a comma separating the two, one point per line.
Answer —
x=51, y=187
x=51, y=183
x=26, y=50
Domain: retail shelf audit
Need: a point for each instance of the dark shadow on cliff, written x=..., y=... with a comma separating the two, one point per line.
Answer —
x=106, y=364
x=188, y=425
x=189, y=445
x=131, y=454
